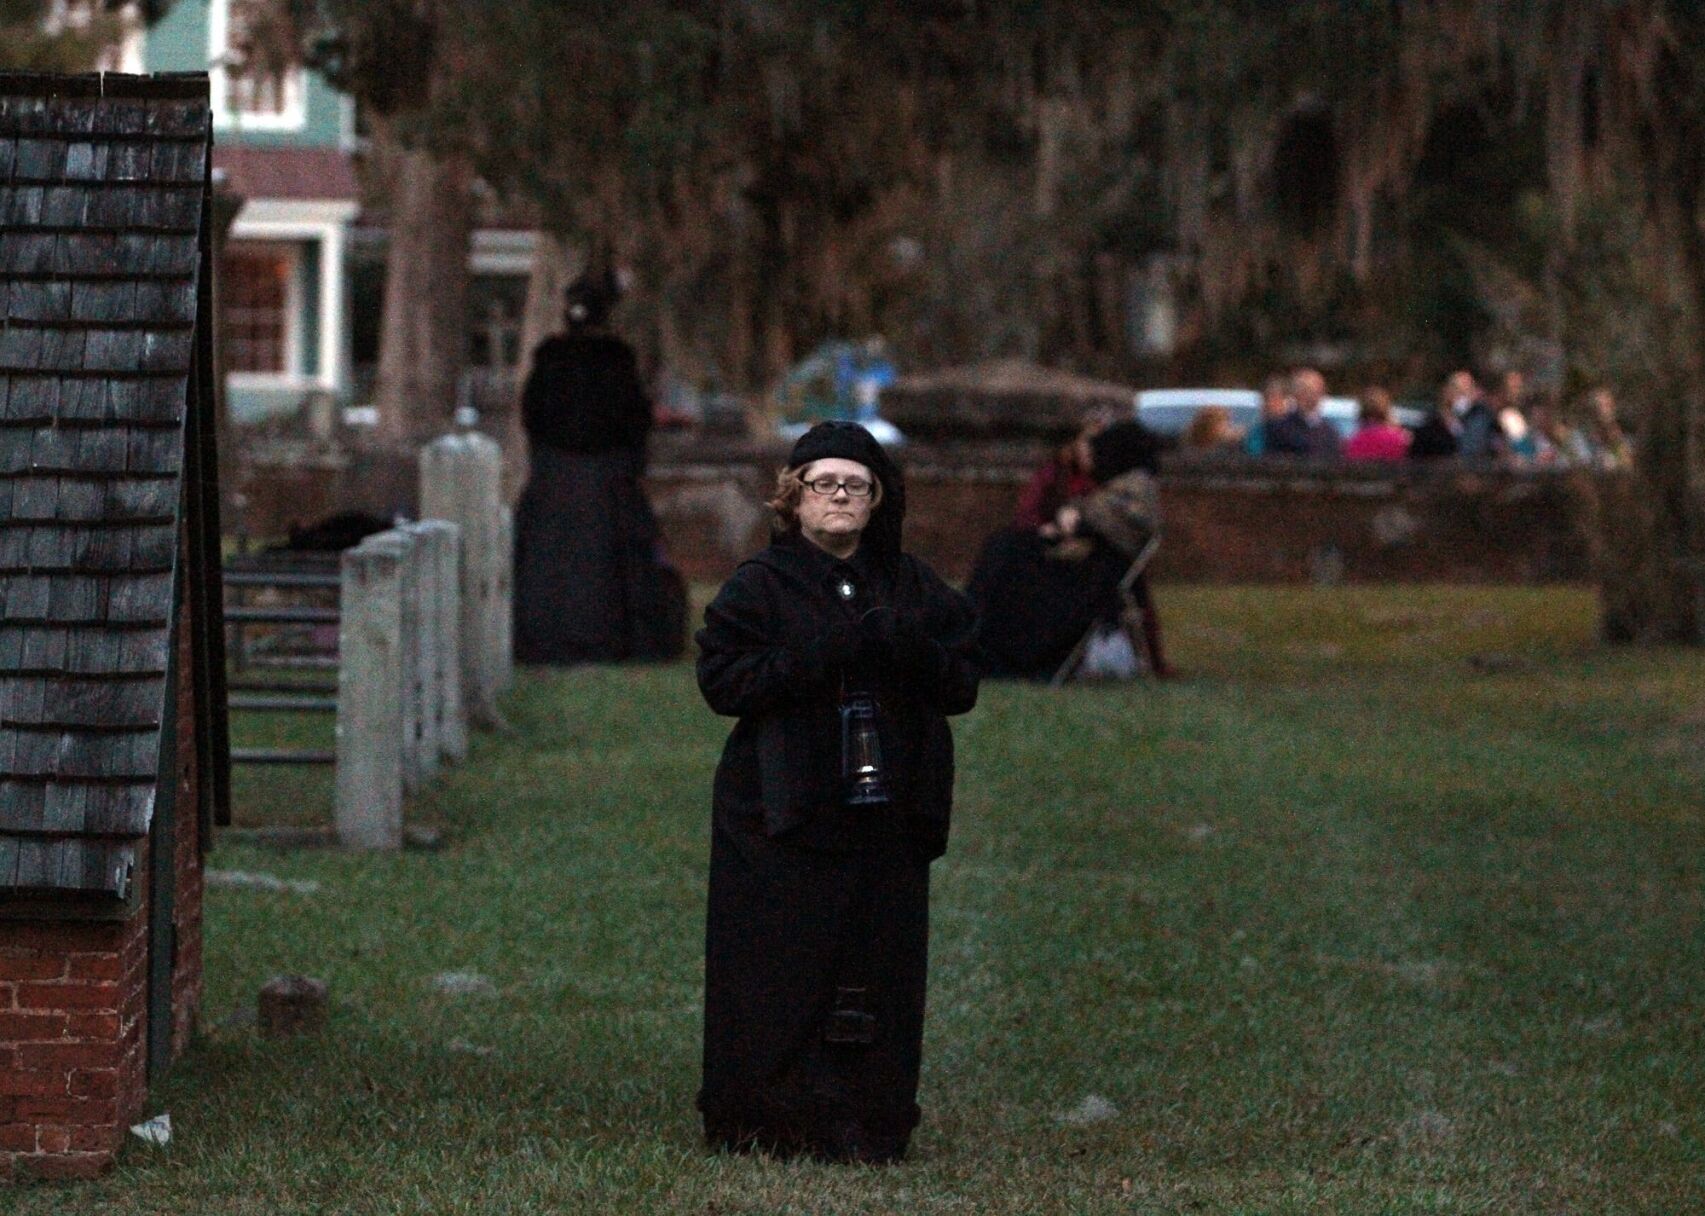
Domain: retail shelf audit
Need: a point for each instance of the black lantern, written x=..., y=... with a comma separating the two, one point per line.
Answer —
x=865, y=781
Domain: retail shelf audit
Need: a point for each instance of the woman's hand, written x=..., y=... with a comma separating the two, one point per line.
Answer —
x=1067, y=520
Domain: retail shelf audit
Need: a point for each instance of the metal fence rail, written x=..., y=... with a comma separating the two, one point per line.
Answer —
x=281, y=755
x=265, y=703
x=413, y=620
x=316, y=575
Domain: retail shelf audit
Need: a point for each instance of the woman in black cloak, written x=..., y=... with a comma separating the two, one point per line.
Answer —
x=816, y=940
x=1037, y=591
x=591, y=583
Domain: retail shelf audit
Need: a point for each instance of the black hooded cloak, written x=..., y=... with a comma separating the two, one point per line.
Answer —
x=591, y=580
x=816, y=938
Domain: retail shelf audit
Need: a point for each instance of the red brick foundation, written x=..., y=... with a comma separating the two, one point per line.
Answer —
x=72, y=1037
x=74, y=1016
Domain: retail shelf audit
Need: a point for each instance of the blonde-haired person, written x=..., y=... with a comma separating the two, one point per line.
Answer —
x=1212, y=430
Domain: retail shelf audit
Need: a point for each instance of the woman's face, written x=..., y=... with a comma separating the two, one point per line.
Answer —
x=832, y=520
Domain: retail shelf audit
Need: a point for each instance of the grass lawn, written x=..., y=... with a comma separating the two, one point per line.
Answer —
x=1341, y=922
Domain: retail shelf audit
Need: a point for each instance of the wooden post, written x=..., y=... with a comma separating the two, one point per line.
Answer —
x=369, y=812
x=444, y=544
x=460, y=480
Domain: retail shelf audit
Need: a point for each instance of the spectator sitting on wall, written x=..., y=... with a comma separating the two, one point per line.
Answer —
x=1212, y=430
x=1477, y=433
x=1439, y=436
x=1038, y=591
x=1608, y=446
x=1379, y=438
x=1066, y=476
x=1303, y=432
x=1557, y=445
x=1275, y=404
x=1516, y=440
x=1464, y=425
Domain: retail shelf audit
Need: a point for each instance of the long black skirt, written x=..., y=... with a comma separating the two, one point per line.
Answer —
x=1032, y=607
x=815, y=969
x=591, y=581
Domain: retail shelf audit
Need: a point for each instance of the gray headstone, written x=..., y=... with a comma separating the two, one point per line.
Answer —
x=369, y=776
x=461, y=481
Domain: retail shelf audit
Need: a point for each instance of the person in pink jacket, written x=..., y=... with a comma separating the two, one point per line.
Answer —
x=1379, y=438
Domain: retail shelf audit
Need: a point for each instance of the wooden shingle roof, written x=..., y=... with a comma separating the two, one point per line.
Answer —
x=103, y=185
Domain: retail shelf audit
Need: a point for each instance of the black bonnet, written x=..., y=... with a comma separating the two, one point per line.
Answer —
x=1121, y=447
x=850, y=441
x=591, y=297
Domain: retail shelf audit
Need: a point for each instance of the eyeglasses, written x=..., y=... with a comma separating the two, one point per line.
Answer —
x=856, y=487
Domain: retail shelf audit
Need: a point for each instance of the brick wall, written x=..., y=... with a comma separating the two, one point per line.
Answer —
x=1226, y=521
x=73, y=1008
x=72, y=1043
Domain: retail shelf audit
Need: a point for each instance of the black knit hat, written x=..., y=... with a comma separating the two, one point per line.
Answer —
x=850, y=441
x=1121, y=447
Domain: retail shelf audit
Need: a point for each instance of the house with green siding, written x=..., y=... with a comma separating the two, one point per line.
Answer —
x=301, y=278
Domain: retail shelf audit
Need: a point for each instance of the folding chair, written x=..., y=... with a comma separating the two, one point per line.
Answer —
x=1130, y=616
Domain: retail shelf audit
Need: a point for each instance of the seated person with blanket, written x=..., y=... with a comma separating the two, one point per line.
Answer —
x=1038, y=590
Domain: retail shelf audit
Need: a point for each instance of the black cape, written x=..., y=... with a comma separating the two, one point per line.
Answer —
x=818, y=912
x=592, y=583
x=1032, y=607
x=584, y=395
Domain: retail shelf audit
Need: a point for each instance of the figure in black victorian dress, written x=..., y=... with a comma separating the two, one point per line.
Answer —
x=816, y=940
x=591, y=580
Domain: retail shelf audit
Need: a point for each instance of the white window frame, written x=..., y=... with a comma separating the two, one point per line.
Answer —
x=294, y=115
x=325, y=223
x=502, y=251
x=291, y=376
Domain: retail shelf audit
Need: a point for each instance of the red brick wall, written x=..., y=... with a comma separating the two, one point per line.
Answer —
x=1245, y=521
x=73, y=1007
x=72, y=1043
x=1237, y=521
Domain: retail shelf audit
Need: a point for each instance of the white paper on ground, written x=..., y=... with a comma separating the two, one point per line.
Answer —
x=156, y=1131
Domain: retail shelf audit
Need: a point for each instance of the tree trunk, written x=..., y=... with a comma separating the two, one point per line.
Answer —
x=1654, y=589
x=423, y=336
x=1657, y=595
